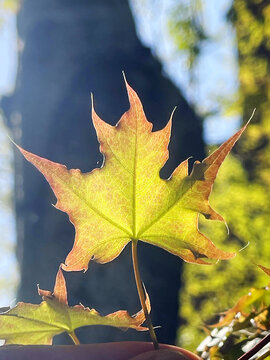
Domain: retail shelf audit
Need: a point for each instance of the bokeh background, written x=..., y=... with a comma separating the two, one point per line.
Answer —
x=212, y=60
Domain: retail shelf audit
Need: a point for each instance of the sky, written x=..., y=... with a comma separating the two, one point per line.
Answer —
x=216, y=70
x=215, y=75
x=8, y=57
x=8, y=263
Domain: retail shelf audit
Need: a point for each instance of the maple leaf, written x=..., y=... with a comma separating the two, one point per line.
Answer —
x=126, y=199
x=38, y=324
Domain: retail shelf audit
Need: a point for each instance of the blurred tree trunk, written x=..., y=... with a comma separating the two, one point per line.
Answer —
x=69, y=49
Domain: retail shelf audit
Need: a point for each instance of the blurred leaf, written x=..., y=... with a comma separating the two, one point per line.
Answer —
x=266, y=270
x=242, y=327
x=10, y=5
x=241, y=306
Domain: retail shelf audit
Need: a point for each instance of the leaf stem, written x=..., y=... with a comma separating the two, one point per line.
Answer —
x=74, y=338
x=142, y=294
x=256, y=348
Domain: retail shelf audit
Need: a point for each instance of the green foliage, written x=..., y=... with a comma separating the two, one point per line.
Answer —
x=186, y=29
x=241, y=192
x=210, y=290
x=252, y=22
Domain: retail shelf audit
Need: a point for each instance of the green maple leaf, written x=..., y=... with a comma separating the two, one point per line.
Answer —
x=126, y=200
x=37, y=324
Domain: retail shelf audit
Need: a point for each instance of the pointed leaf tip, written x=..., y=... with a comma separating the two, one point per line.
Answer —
x=265, y=269
x=60, y=289
x=124, y=76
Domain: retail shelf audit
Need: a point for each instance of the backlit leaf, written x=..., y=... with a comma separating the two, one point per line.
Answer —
x=38, y=324
x=126, y=199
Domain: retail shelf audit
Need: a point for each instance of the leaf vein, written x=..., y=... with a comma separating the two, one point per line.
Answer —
x=94, y=209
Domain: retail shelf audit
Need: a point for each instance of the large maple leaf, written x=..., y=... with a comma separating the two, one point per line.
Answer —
x=38, y=324
x=126, y=199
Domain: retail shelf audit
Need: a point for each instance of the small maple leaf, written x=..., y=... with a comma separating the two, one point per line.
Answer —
x=126, y=199
x=29, y=324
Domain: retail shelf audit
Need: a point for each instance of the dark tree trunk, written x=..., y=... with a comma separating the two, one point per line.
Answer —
x=72, y=48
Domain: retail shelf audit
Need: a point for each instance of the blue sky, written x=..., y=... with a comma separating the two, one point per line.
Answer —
x=8, y=45
x=216, y=70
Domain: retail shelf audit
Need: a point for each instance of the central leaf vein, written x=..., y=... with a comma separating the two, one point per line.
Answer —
x=135, y=175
